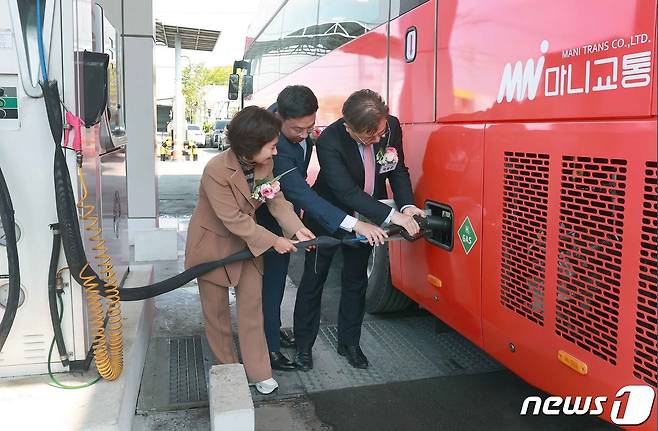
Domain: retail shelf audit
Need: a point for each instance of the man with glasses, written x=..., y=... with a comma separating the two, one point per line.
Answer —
x=357, y=154
x=297, y=106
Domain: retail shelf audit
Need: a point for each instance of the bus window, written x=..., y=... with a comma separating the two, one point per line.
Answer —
x=398, y=7
x=264, y=54
x=299, y=37
x=369, y=14
x=303, y=30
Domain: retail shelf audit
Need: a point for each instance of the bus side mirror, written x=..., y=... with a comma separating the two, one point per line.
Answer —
x=247, y=85
x=233, y=86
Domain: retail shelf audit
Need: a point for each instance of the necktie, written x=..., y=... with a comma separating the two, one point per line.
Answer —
x=368, y=169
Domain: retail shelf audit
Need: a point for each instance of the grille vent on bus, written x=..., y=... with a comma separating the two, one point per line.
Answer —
x=589, y=254
x=646, y=334
x=525, y=212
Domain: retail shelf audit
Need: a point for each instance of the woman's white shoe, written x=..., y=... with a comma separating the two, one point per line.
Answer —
x=266, y=386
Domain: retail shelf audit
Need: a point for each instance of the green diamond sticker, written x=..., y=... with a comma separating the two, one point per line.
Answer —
x=467, y=235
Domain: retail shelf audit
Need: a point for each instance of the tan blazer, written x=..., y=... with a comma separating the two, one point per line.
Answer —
x=223, y=221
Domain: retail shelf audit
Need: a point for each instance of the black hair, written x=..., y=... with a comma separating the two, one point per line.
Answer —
x=296, y=101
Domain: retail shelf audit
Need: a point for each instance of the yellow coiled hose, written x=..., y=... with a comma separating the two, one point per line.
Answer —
x=109, y=362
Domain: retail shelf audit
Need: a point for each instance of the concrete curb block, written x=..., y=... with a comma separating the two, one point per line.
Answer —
x=231, y=406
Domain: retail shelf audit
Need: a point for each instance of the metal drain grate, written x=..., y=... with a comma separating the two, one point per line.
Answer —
x=187, y=381
x=186, y=362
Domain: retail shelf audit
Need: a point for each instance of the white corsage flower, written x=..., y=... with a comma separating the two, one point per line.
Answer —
x=389, y=156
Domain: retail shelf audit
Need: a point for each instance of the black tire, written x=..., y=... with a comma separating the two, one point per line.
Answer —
x=382, y=296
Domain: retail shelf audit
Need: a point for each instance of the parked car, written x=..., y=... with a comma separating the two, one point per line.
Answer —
x=219, y=135
x=195, y=135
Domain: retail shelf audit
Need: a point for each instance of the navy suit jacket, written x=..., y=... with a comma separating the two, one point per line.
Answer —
x=297, y=191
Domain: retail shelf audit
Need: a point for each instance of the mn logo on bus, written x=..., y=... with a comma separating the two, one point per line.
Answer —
x=519, y=80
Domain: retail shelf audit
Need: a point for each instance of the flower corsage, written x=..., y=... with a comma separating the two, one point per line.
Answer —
x=387, y=156
x=315, y=134
x=266, y=189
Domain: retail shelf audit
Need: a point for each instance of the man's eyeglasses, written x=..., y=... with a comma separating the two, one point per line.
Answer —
x=373, y=138
x=299, y=131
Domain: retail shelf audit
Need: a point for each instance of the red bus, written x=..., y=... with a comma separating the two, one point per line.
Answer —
x=532, y=125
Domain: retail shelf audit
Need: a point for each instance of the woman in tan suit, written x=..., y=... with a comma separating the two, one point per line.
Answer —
x=223, y=223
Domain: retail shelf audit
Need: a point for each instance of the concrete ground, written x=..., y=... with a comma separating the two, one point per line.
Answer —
x=466, y=400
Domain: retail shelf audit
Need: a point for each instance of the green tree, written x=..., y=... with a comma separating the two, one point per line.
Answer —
x=194, y=78
x=219, y=75
x=197, y=76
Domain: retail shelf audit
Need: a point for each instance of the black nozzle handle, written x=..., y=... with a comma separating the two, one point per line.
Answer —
x=399, y=230
x=321, y=241
x=435, y=223
x=427, y=225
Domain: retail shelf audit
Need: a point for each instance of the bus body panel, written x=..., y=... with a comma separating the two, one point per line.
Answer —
x=654, y=93
x=556, y=276
x=512, y=60
x=411, y=67
x=457, y=152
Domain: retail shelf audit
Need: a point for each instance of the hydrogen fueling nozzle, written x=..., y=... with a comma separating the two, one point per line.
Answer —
x=428, y=225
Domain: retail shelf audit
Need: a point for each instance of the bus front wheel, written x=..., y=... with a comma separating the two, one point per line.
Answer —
x=382, y=296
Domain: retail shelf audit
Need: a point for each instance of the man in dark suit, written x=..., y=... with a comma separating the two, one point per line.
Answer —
x=297, y=106
x=357, y=154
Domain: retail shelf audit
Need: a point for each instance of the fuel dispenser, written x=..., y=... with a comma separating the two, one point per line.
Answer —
x=80, y=51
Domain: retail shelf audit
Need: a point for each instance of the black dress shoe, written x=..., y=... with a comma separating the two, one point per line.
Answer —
x=279, y=361
x=304, y=360
x=354, y=355
x=285, y=339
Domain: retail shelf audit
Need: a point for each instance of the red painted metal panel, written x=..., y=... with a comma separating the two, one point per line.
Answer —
x=565, y=51
x=654, y=95
x=445, y=163
x=569, y=234
x=411, y=68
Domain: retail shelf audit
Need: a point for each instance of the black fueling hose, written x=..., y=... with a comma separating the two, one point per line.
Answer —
x=138, y=293
x=9, y=227
x=144, y=292
x=67, y=213
x=52, y=296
